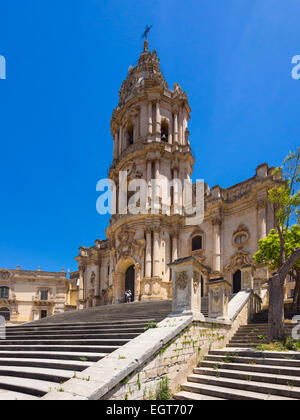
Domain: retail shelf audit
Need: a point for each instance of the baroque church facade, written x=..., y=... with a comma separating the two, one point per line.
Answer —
x=151, y=141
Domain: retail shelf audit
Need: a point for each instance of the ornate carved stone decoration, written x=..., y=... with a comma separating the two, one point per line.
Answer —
x=129, y=246
x=156, y=288
x=147, y=71
x=238, y=260
x=4, y=275
x=93, y=277
x=240, y=237
x=181, y=280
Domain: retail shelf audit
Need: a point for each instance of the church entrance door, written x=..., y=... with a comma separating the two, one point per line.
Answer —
x=237, y=281
x=129, y=280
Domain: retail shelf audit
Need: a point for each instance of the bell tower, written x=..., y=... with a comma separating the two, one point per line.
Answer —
x=150, y=142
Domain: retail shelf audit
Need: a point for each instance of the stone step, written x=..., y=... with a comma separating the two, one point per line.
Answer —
x=247, y=339
x=61, y=355
x=27, y=386
x=252, y=367
x=256, y=353
x=228, y=393
x=104, y=328
x=243, y=345
x=58, y=348
x=72, y=365
x=73, y=342
x=110, y=323
x=249, y=376
x=157, y=309
x=43, y=374
x=184, y=395
x=247, y=360
x=259, y=387
x=93, y=335
x=80, y=331
x=15, y=396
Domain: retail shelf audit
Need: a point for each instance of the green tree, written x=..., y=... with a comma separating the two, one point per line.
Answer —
x=285, y=199
x=269, y=254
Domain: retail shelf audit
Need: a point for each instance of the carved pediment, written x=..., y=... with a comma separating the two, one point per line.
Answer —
x=238, y=260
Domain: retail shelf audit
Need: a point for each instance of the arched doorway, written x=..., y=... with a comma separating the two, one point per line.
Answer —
x=237, y=282
x=129, y=280
x=5, y=312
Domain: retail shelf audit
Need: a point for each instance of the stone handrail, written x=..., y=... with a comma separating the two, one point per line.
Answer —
x=239, y=301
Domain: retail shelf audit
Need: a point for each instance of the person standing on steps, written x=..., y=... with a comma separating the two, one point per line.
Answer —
x=128, y=295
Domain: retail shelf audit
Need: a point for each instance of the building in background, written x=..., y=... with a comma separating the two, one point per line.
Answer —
x=30, y=295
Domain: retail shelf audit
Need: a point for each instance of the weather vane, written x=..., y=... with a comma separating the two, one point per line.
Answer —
x=147, y=30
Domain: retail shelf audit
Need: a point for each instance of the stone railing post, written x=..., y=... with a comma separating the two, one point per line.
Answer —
x=218, y=298
x=247, y=277
x=187, y=288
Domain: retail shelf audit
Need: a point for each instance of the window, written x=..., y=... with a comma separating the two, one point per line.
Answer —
x=240, y=239
x=130, y=134
x=197, y=243
x=164, y=131
x=4, y=292
x=44, y=294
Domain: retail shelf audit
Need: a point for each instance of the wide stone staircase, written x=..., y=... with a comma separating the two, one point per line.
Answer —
x=40, y=356
x=240, y=372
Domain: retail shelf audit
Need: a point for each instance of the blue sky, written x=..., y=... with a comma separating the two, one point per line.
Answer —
x=66, y=60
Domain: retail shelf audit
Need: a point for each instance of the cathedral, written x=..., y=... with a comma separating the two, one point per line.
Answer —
x=150, y=135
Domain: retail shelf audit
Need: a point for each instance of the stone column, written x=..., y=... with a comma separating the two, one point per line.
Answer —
x=157, y=187
x=187, y=288
x=180, y=126
x=176, y=128
x=111, y=268
x=170, y=139
x=156, y=254
x=117, y=293
x=149, y=177
x=176, y=193
x=262, y=219
x=167, y=256
x=137, y=285
x=97, y=283
x=158, y=122
x=120, y=141
x=218, y=298
x=150, y=119
x=217, y=244
x=81, y=287
x=148, y=259
x=174, y=247
x=115, y=148
x=247, y=277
